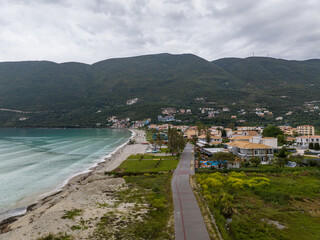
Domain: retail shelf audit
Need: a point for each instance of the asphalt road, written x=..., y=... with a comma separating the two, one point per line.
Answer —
x=189, y=224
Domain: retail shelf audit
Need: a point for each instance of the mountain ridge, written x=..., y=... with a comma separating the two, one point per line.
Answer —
x=76, y=90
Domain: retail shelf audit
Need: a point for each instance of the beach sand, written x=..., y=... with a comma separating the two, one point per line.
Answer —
x=88, y=191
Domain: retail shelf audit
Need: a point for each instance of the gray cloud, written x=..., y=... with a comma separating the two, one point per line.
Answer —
x=92, y=30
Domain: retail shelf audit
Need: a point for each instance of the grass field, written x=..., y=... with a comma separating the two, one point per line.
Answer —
x=137, y=166
x=147, y=163
x=150, y=157
x=266, y=205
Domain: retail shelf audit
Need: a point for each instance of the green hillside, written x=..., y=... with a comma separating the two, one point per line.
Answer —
x=70, y=94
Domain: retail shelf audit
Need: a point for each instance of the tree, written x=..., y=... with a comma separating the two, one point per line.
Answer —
x=281, y=139
x=200, y=126
x=316, y=146
x=310, y=145
x=232, y=126
x=194, y=139
x=222, y=157
x=298, y=159
x=281, y=162
x=272, y=131
x=255, y=161
x=159, y=140
x=223, y=133
x=152, y=142
x=208, y=137
x=176, y=142
x=283, y=153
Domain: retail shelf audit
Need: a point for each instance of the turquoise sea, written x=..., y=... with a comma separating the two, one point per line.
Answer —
x=38, y=161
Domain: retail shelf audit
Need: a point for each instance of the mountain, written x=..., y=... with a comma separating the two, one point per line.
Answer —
x=269, y=78
x=70, y=94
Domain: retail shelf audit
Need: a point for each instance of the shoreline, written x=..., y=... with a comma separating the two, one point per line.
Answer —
x=23, y=205
x=107, y=163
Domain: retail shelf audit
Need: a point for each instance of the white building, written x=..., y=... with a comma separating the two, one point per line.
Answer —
x=248, y=150
x=132, y=101
x=305, y=140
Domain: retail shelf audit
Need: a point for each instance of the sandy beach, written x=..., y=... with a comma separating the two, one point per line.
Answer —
x=88, y=192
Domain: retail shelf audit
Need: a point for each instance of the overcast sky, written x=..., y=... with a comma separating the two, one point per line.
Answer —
x=93, y=30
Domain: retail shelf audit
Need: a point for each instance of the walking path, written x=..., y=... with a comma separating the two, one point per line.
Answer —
x=189, y=223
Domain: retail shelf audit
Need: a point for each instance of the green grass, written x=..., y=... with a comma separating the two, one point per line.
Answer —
x=150, y=157
x=165, y=150
x=72, y=214
x=137, y=166
x=291, y=198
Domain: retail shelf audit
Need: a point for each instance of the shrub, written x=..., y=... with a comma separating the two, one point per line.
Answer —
x=258, y=182
x=237, y=174
x=213, y=183
x=236, y=183
x=310, y=145
x=158, y=203
x=226, y=205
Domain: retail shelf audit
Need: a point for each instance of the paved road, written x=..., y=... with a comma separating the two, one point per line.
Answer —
x=189, y=224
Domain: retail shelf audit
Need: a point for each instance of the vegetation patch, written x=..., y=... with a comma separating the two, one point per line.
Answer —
x=137, y=166
x=254, y=205
x=72, y=214
x=56, y=237
x=150, y=214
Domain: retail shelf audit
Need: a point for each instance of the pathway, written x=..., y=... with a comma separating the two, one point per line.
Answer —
x=189, y=223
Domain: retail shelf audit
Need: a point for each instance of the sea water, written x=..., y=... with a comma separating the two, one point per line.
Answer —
x=37, y=161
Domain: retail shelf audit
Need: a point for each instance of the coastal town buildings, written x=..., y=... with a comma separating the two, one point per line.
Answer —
x=304, y=141
x=305, y=130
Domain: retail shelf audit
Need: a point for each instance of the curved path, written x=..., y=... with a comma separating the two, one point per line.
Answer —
x=189, y=223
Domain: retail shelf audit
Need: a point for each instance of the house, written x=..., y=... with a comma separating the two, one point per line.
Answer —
x=269, y=141
x=182, y=111
x=189, y=133
x=305, y=130
x=169, y=111
x=246, y=128
x=305, y=140
x=163, y=136
x=241, y=138
x=132, y=101
x=225, y=109
x=202, y=137
x=216, y=139
x=166, y=118
x=248, y=150
x=234, y=164
x=251, y=133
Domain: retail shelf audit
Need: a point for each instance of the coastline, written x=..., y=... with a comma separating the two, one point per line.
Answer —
x=22, y=206
x=94, y=173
